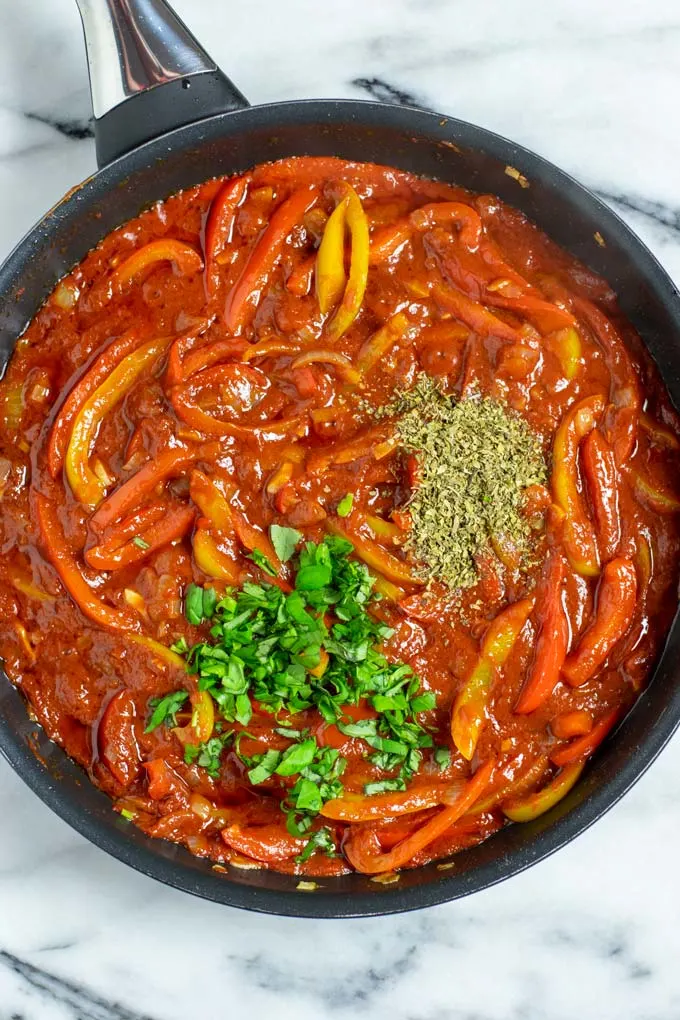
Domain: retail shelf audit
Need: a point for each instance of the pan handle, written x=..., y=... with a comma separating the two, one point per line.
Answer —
x=148, y=74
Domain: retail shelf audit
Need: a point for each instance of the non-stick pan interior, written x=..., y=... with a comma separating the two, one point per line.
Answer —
x=435, y=147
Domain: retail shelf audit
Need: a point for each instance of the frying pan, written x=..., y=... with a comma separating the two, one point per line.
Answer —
x=167, y=118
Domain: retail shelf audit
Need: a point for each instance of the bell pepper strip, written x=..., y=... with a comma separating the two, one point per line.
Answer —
x=582, y=747
x=644, y=561
x=210, y=558
x=567, y=345
x=474, y=315
x=251, y=538
x=448, y=214
x=526, y=809
x=551, y=645
x=93, y=378
x=246, y=292
x=160, y=651
x=343, y=365
x=266, y=843
x=349, y=307
x=391, y=592
x=363, y=445
x=578, y=534
x=62, y=560
x=202, y=723
x=211, y=354
x=162, y=780
x=181, y=346
x=513, y=788
x=572, y=724
x=329, y=270
x=382, y=528
x=300, y=280
x=616, y=599
x=165, y=249
x=545, y=316
x=658, y=434
x=281, y=477
x=625, y=387
x=219, y=226
x=170, y=463
x=362, y=847
x=117, y=741
x=24, y=585
x=661, y=500
x=388, y=240
x=376, y=556
x=211, y=502
x=267, y=348
x=109, y=555
x=356, y=807
x=470, y=707
x=86, y=485
x=602, y=479
x=377, y=345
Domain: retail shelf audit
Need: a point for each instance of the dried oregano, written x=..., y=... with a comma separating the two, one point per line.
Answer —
x=475, y=458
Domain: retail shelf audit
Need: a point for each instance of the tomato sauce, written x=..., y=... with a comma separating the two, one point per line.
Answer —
x=188, y=360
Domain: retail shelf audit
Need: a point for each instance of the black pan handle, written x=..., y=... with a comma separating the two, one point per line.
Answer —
x=148, y=74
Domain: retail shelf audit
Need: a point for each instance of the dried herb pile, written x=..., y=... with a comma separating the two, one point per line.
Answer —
x=475, y=460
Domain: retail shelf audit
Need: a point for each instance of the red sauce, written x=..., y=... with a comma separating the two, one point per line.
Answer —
x=490, y=304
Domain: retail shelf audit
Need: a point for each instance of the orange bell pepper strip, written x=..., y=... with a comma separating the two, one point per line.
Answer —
x=362, y=847
x=377, y=345
x=113, y=553
x=349, y=307
x=568, y=348
x=661, y=500
x=246, y=293
x=219, y=226
x=602, y=479
x=583, y=746
x=64, y=563
x=93, y=378
x=375, y=555
x=200, y=727
x=165, y=249
x=358, y=807
x=616, y=600
x=344, y=366
x=525, y=809
x=572, y=724
x=445, y=214
x=211, y=354
x=87, y=487
x=329, y=269
x=552, y=641
x=474, y=315
x=578, y=533
x=470, y=707
x=210, y=558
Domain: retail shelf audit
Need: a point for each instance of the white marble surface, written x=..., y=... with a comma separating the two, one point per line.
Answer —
x=592, y=933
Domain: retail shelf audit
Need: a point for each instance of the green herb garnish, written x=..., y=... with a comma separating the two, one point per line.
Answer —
x=284, y=540
x=140, y=543
x=345, y=505
x=261, y=561
x=164, y=710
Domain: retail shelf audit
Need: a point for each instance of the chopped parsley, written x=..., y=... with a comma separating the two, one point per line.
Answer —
x=284, y=540
x=165, y=709
x=140, y=543
x=344, y=507
x=261, y=561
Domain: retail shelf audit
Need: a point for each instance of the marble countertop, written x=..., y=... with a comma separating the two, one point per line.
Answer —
x=593, y=932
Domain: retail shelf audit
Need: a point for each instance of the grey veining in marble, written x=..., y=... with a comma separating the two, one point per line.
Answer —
x=593, y=932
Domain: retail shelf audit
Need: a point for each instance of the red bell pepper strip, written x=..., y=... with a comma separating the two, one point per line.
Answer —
x=210, y=354
x=245, y=294
x=184, y=343
x=362, y=847
x=474, y=315
x=93, y=378
x=165, y=249
x=219, y=226
x=163, y=780
x=602, y=478
x=117, y=738
x=544, y=315
x=387, y=240
x=616, y=600
x=584, y=746
x=525, y=809
x=552, y=641
x=470, y=707
x=174, y=524
x=62, y=560
x=266, y=843
x=445, y=214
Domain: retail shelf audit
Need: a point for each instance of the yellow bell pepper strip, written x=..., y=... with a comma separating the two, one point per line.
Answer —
x=63, y=561
x=659, y=434
x=27, y=588
x=553, y=639
x=377, y=346
x=616, y=601
x=446, y=214
x=160, y=651
x=119, y=551
x=602, y=480
x=525, y=809
x=469, y=709
x=202, y=723
x=357, y=807
x=661, y=500
x=343, y=365
x=363, y=445
x=474, y=315
x=281, y=477
x=86, y=486
x=211, y=502
x=165, y=249
x=210, y=558
x=382, y=528
x=644, y=560
x=322, y=666
x=568, y=349
x=374, y=555
x=350, y=305
x=330, y=260
x=388, y=590
x=584, y=745
x=578, y=533
x=362, y=847
x=267, y=253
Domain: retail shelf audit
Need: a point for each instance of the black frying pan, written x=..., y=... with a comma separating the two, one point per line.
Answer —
x=166, y=118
